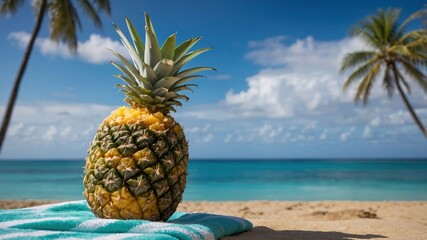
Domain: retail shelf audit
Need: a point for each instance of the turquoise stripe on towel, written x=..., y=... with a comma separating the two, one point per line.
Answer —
x=75, y=220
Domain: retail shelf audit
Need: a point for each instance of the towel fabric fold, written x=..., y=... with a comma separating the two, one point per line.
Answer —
x=74, y=220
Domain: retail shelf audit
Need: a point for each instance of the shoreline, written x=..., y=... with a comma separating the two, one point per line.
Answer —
x=335, y=220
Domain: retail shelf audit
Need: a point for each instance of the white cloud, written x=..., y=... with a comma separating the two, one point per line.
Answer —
x=300, y=82
x=22, y=38
x=52, y=123
x=228, y=138
x=302, y=79
x=367, y=133
x=199, y=133
x=299, y=79
x=65, y=132
x=208, y=138
x=398, y=117
x=309, y=126
x=295, y=98
x=263, y=98
x=50, y=133
x=94, y=50
x=268, y=132
x=198, y=129
x=15, y=129
x=347, y=134
x=240, y=138
x=375, y=122
x=324, y=134
x=303, y=54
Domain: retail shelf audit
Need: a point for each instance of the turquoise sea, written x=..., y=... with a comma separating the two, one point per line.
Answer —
x=215, y=180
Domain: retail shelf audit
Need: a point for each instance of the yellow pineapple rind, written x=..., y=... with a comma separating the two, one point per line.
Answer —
x=146, y=181
x=155, y=121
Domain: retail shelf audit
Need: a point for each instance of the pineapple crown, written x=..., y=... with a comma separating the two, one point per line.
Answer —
x=155, y=78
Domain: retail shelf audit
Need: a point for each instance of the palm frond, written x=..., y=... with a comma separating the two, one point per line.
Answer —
x=417, y=75
x=376, y=25
x=63, y=22
x=420, y=51
x=365, y=86
x=388, y=82
x=412, y=45
x=391, y=26
x=8, y=7
x=412, y=53
x=367, y=37
x=414, y=35
x=402, y=51
x=64, y=19
x=359, y=73
x=103, y=5
x=90, y=12
x=417, y=63
x=394, y=47
x=400, y=79
x=406, y=84
x=412, y=17
x=355, y=59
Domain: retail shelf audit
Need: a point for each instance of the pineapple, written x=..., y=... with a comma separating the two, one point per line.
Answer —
x=137, y=162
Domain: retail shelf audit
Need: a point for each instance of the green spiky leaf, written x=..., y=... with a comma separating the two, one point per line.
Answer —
x=189, y=71
x=184, y=47
x=154, y=77
x=137, y=42
x=133, y=70
x=152, y=51
x=166, y=82
x=186, y=58
x=168, y=48
x=183, y=87
x=134, y=55
x=149, y=74
x=184, y=80
x=163, y=68
x=160, y=92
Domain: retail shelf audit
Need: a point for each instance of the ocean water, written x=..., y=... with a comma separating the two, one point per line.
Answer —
x=237, y=180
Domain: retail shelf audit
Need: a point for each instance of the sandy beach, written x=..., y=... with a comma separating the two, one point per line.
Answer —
x=332, y=220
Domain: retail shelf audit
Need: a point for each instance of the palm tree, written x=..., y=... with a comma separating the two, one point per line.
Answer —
x=63, y=19
x=397, y=56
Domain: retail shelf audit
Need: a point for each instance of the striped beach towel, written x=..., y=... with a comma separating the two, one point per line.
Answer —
x=74, y=220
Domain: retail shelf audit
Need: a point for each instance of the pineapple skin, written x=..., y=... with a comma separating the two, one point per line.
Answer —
x=136, y=166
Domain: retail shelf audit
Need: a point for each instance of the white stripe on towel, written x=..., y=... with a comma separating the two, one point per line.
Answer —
x=118, y=236
x=205, y=232
x=93, y=224
x=155, y=227
x=26, y=234
x=24, y=221
x=42, y=208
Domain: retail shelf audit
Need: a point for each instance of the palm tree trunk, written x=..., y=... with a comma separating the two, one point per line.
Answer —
x=407, y=104
x=18, y=79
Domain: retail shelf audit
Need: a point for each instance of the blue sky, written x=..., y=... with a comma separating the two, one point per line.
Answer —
x=276, y=94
